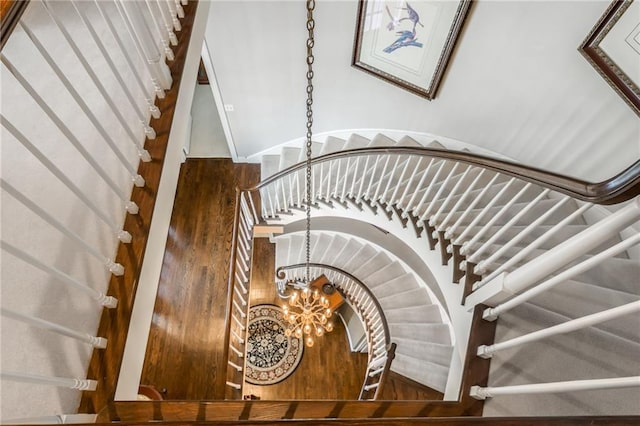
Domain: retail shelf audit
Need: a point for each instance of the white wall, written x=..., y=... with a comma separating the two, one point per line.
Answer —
x=517, y=84
x=207, y=136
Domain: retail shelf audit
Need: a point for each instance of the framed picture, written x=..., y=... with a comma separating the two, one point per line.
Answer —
x=613, y=48
x=408, y=43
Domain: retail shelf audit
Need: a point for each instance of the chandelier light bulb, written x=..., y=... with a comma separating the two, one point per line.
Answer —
x=329, y=327
x=298, y=332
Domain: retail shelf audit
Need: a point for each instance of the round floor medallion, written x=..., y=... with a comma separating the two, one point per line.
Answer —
x=271, y=356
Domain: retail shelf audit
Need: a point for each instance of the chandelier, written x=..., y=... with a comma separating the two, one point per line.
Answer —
x=309, y=315
x=310, y=312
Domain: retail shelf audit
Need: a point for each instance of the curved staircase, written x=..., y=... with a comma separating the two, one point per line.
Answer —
x=485, y=225
x=416, y=325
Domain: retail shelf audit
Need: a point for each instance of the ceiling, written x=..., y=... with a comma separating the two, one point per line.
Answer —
x=516, y=85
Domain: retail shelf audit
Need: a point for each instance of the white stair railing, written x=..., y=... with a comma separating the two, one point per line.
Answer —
x=480, y=392
x=238, y=295
x=64, y=113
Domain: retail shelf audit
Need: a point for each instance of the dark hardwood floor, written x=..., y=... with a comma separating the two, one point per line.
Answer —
x=184, y=353
x=185, y=349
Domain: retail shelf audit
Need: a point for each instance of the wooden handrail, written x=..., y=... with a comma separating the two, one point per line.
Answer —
x=10, y=13
x=617, y=189
x=391, y=354
x=281, y=275
x=436, y=421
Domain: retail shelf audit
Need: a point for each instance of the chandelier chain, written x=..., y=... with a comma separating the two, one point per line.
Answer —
x=310, y=58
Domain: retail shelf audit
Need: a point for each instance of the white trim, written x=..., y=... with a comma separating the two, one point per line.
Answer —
x=136, y=345
x=217, y=98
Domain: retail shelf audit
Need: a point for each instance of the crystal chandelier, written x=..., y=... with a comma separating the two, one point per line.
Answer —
x=309, y=313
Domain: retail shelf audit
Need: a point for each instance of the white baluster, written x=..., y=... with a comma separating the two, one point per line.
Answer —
x=146, y=48
x=481, y=266
x=135, y=177
x=467, y=246
x=240, y=324
x=433, y=220
x=174, y=15
x=243, y=254
x=438, y=194
x=148, y=130
x=239, y=353
x=409, y=185
x=96, y=342
x=234, y=385
x=372, y=176
x=106, y=301
x=166, y=20
x=373, y=386
x=410, y=206
x=487, y=351
x=153, y=109
x=479, y=392
x=425, y=197
x=234, y=365
x=353, y=179
x=162, y=34
x=237, y=336
x=485, y=210
x=387, y=188
x=179, y=9
x=475, y=256
x=443, y=226
x=513, y=287
x=122, y=235
x=537, y=243
x=79, y=384
x=574, y=247
x=329, y=176
x=365, y=169
x=130, y=206
x=144, y=155
x=240, y=310
x=240, y=296
x=381, y=178
x=450, y=232
x=243, y=275
x=376, y=372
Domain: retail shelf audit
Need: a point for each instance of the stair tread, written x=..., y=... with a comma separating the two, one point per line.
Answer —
x=432, y=375
x=332, y=144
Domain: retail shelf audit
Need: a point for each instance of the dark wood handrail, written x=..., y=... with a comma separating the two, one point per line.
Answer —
x=622, y=187
x=391, y=354
x=10, y=13
x=281, y=274
x=435, y=421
